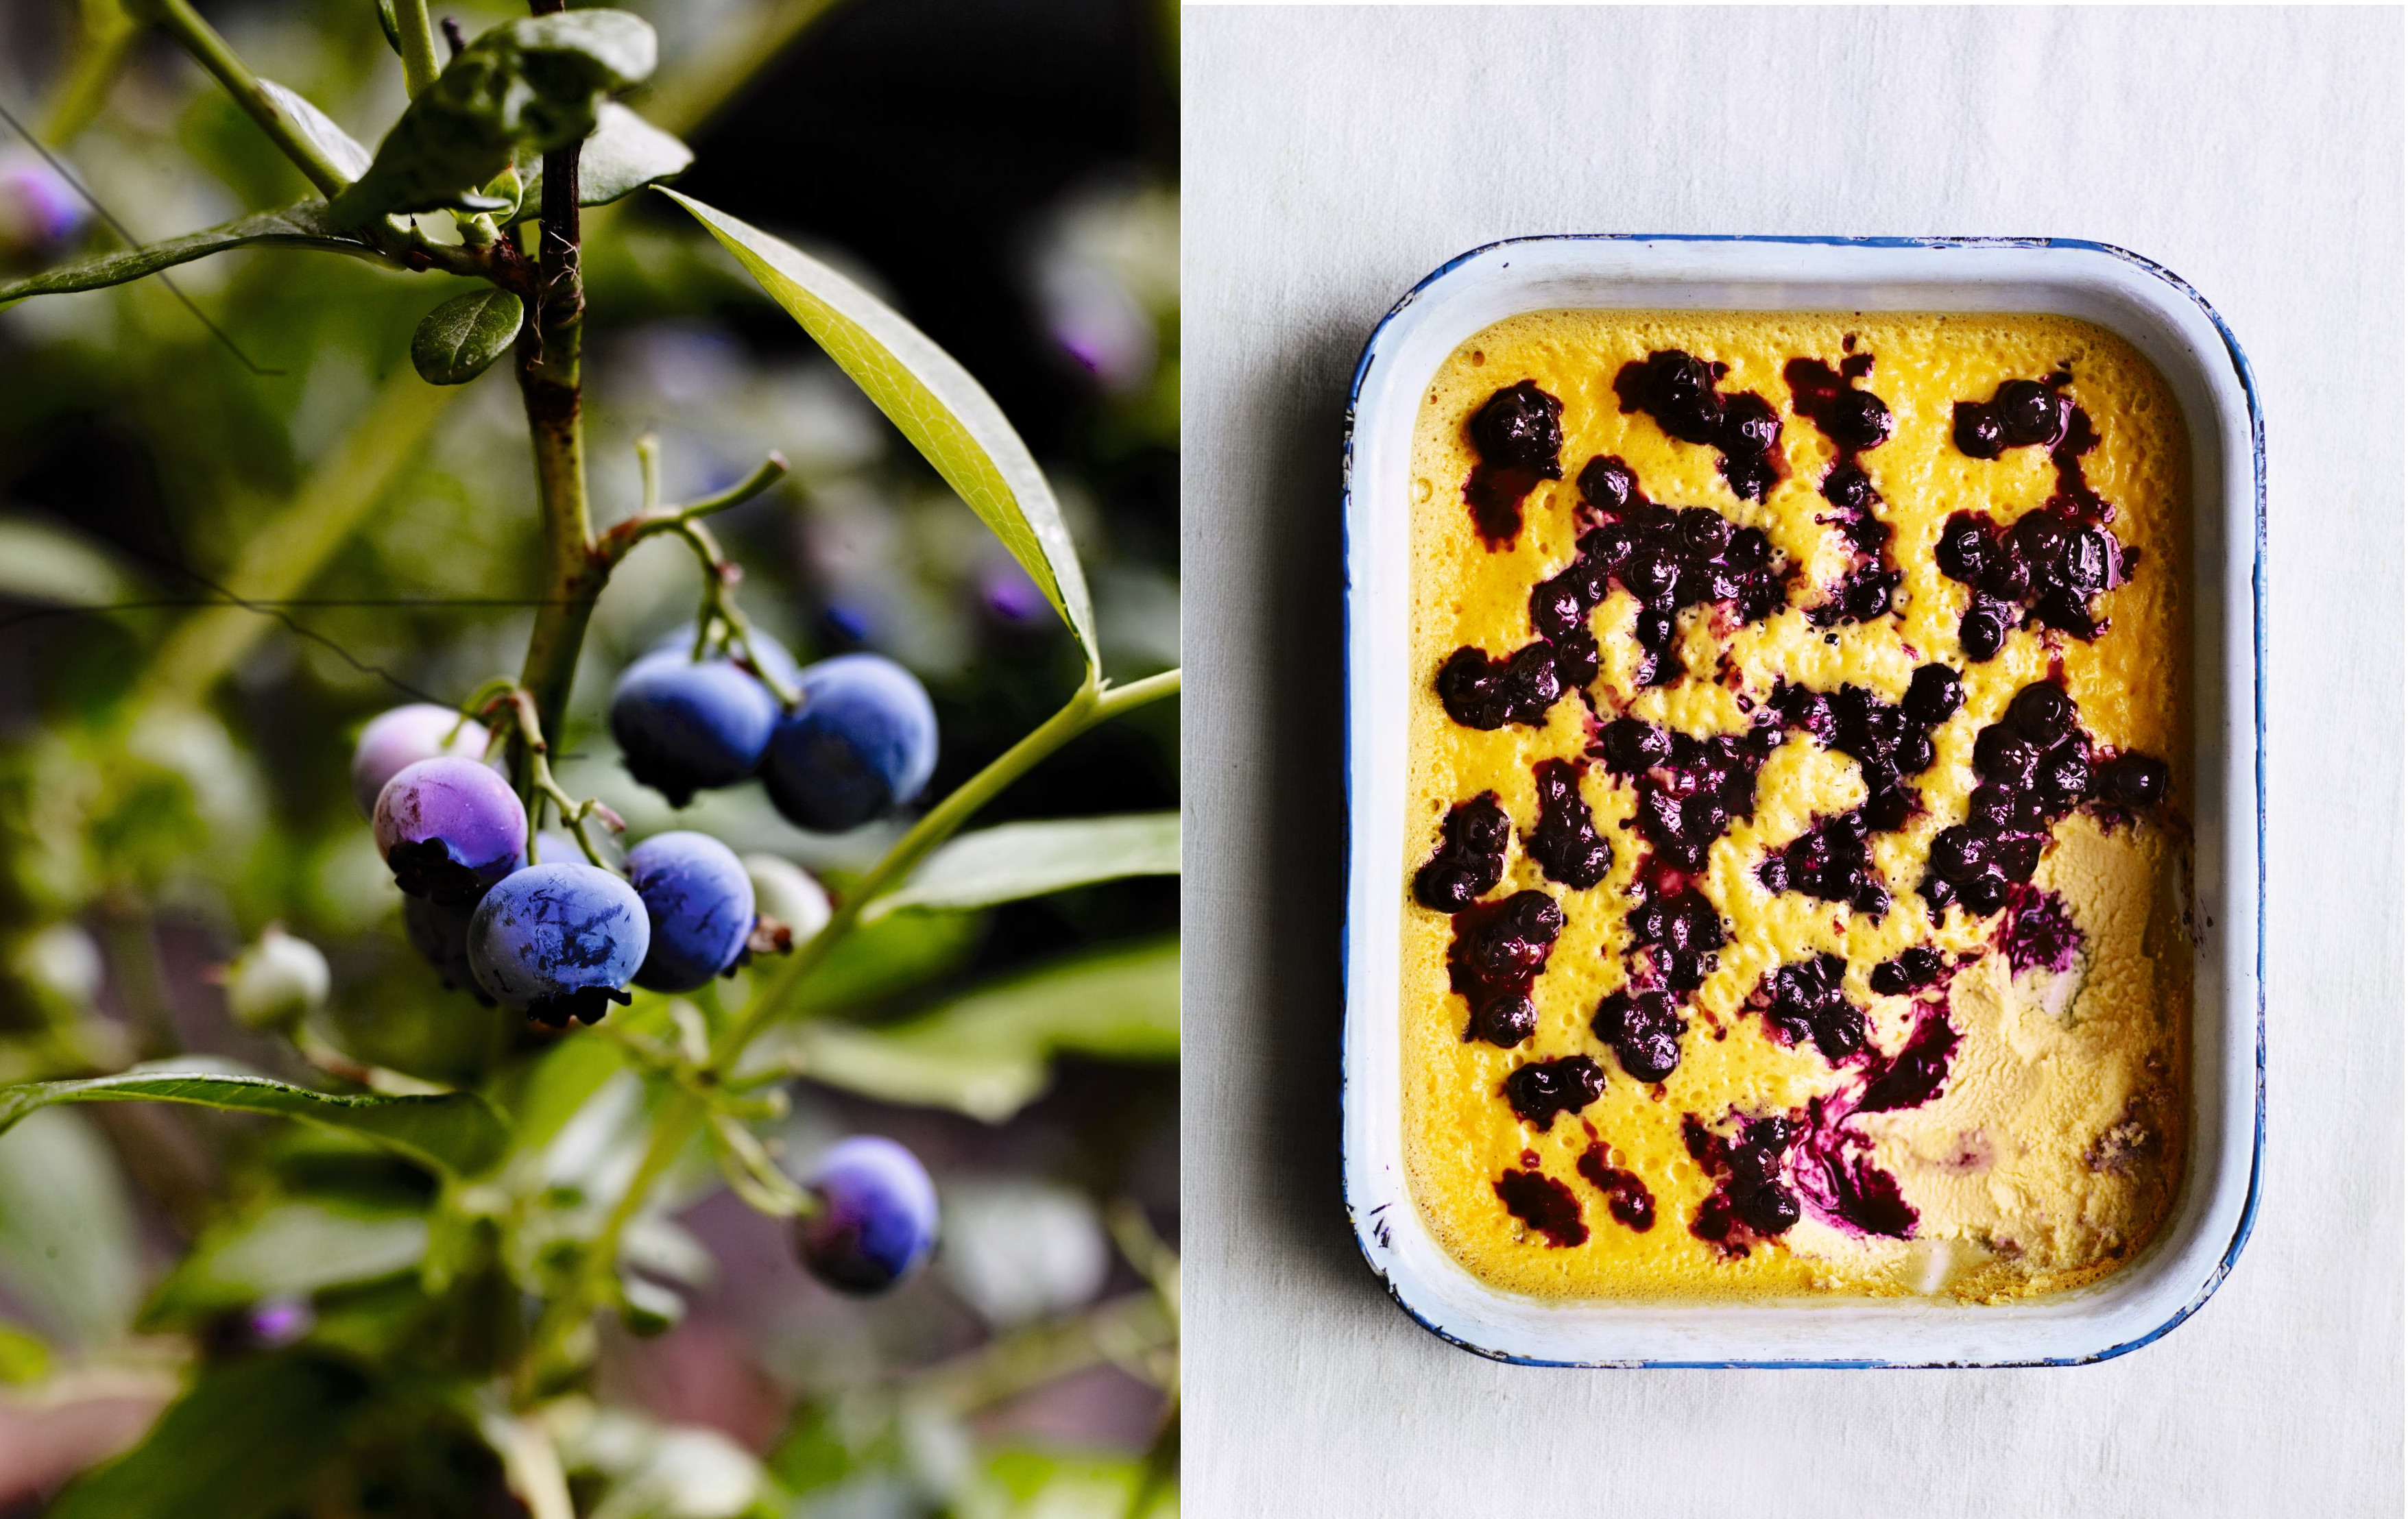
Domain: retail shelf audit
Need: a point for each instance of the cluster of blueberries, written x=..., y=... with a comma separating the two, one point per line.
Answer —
x=1854, y=420
x=1747, y=1168
x=2036, y=767
x=560, y=938
x=1677, y=389
x=1891, y=745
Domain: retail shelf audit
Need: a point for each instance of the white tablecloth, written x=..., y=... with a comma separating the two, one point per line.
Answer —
x=1332, y=158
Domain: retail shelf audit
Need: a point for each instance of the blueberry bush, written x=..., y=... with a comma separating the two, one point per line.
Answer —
x=569, y=906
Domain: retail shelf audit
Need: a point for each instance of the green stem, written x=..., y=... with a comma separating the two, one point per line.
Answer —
x=550, y=384
x=1092, y=705
x=417, y=65
x=199, y=39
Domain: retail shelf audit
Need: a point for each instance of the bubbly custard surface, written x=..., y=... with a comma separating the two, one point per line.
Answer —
x=2048, y=1147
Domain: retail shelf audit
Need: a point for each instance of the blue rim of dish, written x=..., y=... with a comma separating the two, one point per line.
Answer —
x=2257, y=696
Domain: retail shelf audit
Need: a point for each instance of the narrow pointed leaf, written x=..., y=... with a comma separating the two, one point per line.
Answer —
x=460, y=339
x=931, y=399
x=624, y=155
x=303, y=224
x=989, y=1054
x=530, y=85
x=457, y=1132
x=1033, y=859
x=341, y=148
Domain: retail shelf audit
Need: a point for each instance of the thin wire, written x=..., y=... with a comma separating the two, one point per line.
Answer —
x=131, y=242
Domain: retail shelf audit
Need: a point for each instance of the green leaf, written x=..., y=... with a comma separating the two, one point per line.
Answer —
x=624, y=155
x=303, y=224
x=341, y=148
x=931, y=399
x=1032, y=859
x=877, y=960
x=457, y=1132
x=988, y=1053
x=246, y=1441
x=531, y=85
x=460, y=339
x=69, y=1252
x=293, y=1249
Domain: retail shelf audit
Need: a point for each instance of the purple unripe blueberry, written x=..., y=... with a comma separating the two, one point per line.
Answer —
x=394, y=741
x=559, y=942
x=699, y=901
x=862, y=741
x=448, y=829
x=877, y=1218
x=686, y=728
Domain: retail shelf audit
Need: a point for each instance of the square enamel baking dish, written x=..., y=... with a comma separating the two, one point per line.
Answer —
x=2168, y=322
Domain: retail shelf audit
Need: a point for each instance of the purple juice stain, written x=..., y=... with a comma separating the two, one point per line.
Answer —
x=1545, y=1205
x=2037, y=931
x=1916, y=1074
x=1627, y=1196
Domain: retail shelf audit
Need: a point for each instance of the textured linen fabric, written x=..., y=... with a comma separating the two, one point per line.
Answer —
x=1332, y=157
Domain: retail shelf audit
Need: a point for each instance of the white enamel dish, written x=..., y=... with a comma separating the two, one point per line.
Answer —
x=2189, y=344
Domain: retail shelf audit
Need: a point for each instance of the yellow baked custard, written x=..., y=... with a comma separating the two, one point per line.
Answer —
x=1795, y=888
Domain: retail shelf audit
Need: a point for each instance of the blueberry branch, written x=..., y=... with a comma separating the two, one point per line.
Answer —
x=719, y=572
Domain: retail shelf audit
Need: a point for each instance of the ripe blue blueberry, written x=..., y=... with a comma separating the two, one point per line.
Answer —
x=448, y=829
x=863, y=740
x=699, y=901
x=686, y=728
x=559, y=942
x=877, y=1218
x=401, y=737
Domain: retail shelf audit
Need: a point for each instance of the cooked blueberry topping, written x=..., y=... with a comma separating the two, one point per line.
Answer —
x=1627, y=1196
x=1910, y=971
x=1932, y=695
x=1521, y=426
x=1498, y=950
x=2029, y=412
x=1803, y=1000
x=1540, y=1089
x=1977, y=431
x=1644, y=1029
x=1565, y=842
x=2134, y=780
x=1485, y=693
x=1519, y=432
x=1678, y=391
x=1470, y=856
x=2049, y=561
x=1608, y=484
x=1752, y=1198
x=1632, y=748
x=1916, y=1074
x=1544, y=1204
